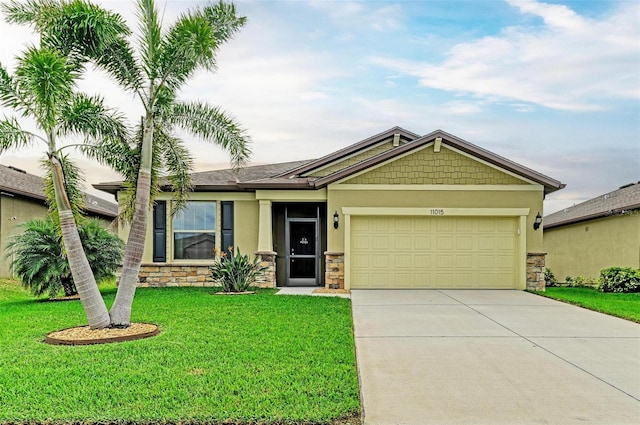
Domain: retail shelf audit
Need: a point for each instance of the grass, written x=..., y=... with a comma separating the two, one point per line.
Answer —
x=232, y=359
x=626, y=306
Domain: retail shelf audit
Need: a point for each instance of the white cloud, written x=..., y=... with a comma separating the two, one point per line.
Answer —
x=461, y=108
x=569, y=63
x=367, y=15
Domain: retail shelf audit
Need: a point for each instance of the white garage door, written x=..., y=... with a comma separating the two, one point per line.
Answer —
x=433, y=252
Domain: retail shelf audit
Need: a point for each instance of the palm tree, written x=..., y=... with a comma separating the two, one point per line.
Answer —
x=43, y=89
x=165, y=64
x=154, y=72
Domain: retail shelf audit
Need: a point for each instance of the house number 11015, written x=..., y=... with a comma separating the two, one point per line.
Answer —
x=437, y=211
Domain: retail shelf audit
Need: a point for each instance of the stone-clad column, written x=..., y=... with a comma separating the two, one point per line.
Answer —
x=265, y=253
x=334, y=270
x=535, y=271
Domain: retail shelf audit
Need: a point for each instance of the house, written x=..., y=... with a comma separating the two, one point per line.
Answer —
x=22, y=198
x=602, y=232
x=396, y=210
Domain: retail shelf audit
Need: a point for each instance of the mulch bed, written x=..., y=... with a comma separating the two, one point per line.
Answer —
x=65, y=298
x=83, y=335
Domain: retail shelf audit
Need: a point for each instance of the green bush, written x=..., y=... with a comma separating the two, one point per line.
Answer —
x=550, y=278
x=40, y=263
x=619, y=279
x=235, y=272
x=581, y=282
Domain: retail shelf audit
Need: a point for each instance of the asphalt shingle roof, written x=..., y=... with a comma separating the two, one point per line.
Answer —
x=247, y=174
x=626, y=198
x=294, y=175
x=17, y=182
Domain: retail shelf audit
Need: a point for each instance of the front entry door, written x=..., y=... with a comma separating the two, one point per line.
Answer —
x=302, y=252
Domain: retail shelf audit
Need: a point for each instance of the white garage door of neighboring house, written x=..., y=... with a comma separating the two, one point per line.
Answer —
x=433, y=252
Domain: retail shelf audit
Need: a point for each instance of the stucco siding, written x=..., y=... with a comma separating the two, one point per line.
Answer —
x=429, y=167
x=583, y=249
x=245, y=216
x=246, y=226
x=13, y=212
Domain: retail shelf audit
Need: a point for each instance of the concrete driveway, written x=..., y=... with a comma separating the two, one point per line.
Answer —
x=492, y=357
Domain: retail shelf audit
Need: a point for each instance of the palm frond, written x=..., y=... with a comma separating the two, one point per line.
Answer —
x=178, y=164
x=212, y=125
x=114, y=153
x=192, y=42
x=11, y=96
x=150, y=37
x=36, y=13
x=13, y=136
x=118, y=60
x=50, y=79
x=87, y=115
x=223, y=20
x=83, y=28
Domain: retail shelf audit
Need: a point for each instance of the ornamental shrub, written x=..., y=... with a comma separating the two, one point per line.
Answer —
x=235, y=272
x=550, y=278
x=619, y=279
x=581, y=282
x=39, y=260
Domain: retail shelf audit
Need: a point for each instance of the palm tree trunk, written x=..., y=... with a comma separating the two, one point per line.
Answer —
x=121, y=310
x=92, y=302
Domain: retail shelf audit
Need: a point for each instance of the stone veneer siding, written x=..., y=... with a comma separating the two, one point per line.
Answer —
x=334, y=270
x=162, y=274
x=268, y=278
x=535, y=271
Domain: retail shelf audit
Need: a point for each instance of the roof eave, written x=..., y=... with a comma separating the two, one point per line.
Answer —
x=601, y=214
x=111, y=188
x=299, y=185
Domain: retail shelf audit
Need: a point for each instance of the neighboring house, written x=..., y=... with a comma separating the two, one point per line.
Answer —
x=396, y=210
x=602, y=232
x=22, y=198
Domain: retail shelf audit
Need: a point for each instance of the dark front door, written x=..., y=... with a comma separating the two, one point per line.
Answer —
x=302, y=252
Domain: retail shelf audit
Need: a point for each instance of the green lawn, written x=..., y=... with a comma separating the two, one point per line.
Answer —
x=626, y=306
x=240, y=359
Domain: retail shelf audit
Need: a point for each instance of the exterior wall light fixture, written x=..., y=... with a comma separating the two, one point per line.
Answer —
x=335, y=220
x=538, y=222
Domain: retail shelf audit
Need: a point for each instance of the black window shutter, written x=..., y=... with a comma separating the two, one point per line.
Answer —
x=227, y=225
x=160, y=232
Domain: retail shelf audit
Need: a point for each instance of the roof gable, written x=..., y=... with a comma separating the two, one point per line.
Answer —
x=445, y=139
x=353, y=154
x=428, y=166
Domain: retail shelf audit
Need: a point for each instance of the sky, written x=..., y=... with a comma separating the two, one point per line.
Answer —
x=554, y=86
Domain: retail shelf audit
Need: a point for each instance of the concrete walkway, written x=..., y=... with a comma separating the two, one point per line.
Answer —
x=492, y=357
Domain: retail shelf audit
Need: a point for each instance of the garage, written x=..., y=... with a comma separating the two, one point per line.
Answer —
x=433, y=252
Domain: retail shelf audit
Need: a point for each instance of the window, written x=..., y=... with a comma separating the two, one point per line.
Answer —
x=194, y=231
